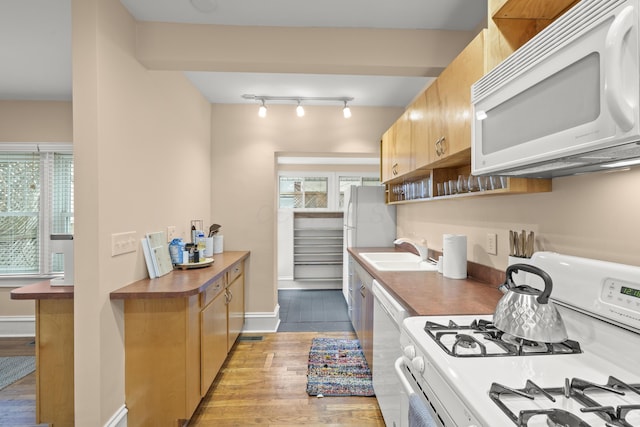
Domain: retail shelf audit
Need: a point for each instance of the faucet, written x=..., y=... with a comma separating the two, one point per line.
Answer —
x=421, y=247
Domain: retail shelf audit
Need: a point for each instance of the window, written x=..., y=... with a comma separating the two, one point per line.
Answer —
x=318, y=190
x=304, y=192
x=345, y=182
x=37, y=200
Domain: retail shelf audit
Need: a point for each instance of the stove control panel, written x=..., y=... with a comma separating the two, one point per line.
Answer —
x=622, y=300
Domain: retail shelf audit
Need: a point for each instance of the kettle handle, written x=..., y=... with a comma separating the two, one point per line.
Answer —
x=543, y=298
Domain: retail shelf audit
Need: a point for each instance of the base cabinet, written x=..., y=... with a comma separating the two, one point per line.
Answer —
x=362, y=311
x=175, y=347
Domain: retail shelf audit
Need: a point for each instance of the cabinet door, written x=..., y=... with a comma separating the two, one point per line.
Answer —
x=401, y=151
x=386, y=157
x=454, y=92
x=213, y=339
x=235, y=307
x=426, y=125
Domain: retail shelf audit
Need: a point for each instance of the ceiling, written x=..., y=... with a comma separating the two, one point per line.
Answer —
x=36, y=44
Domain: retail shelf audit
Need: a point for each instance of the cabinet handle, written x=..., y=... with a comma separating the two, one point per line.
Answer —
x=394, y=169
x=440, y=149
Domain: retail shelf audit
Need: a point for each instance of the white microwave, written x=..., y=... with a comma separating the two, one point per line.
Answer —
x=567, y=101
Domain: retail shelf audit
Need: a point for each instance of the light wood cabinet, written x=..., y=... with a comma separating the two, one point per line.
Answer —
x=213, y=338
x=178, y=330
x=235, y=304
x=386, y=145
x=441, y=117
x=396, y=143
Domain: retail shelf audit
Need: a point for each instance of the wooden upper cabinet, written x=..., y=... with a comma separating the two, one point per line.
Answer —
x=386, y=143
x=396, y=149
x=443, y=136
x=401, y=152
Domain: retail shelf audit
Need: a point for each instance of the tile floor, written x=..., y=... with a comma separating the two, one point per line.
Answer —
x=313, y=311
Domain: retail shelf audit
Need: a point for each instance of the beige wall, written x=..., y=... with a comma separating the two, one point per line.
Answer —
x=36, y=121
x=137, y=134
x=593, y=216
x=244, y=173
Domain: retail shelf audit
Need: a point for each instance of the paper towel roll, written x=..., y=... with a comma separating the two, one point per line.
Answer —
x=218, y=244
x=454, y=249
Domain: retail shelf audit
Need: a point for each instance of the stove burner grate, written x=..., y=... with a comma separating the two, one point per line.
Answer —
x=471, y=336
x=573, y=389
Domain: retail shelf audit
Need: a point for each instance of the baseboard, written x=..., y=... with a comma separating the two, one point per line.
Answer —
x=119, y=419
x=17, y=326
x=259, y=322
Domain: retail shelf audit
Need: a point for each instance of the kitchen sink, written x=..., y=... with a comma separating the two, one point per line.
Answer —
x=397, y=261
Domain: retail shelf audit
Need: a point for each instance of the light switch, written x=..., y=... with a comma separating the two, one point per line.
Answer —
x=492, y=244
x=122, y=243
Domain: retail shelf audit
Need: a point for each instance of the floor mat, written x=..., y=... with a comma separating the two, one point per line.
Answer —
x=337, y=367
x=15, y=367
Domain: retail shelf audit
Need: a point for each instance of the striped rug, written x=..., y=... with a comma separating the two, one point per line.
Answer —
x=15, y=367
x=337, y=367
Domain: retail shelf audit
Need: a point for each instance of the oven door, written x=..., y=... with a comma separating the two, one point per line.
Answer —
x=414, y=385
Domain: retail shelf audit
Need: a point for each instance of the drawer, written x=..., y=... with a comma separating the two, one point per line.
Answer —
x=234, y=272
x=212, y=291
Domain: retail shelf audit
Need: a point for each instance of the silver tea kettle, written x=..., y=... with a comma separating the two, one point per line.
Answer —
x=527, y=313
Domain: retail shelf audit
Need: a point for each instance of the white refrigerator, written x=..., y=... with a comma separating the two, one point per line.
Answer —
x=368, y=222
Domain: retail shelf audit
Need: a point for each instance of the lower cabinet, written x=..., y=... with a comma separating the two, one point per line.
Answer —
x=175, y=347
x=213, y=339
x=235, y=303
x=362, y=311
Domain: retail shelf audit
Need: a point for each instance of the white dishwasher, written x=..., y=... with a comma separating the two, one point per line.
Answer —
x=388, y=315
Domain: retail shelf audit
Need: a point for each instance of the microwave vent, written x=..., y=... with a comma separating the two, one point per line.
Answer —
x=569, y=26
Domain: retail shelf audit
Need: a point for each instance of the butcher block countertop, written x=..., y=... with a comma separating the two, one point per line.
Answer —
x=429, y=293
x=181, y=283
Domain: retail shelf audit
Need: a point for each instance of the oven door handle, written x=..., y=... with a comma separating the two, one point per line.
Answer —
x=400, y=362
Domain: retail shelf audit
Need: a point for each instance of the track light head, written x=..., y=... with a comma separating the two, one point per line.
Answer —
x=262, y=111
x=299, y=110
x=346, y=111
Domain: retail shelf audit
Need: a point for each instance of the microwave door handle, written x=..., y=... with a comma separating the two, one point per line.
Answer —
x=621, y=110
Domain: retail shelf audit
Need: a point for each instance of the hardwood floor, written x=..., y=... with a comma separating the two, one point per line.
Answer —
x=18, y=400
x=263, y=382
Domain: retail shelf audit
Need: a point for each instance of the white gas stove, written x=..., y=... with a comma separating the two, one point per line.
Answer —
x=471, y=375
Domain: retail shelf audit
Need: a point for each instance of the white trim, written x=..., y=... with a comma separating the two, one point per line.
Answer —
x=17, y=326
x=43, y=147
x=119, y=419
x=262, y=321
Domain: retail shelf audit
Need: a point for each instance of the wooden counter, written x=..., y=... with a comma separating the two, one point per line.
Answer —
x=54, y=351
x=429, y=293
x=181, y=283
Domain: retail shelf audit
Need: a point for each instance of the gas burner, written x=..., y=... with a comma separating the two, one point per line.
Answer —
x=480, y=338
x=615, y=403
x=526, y=345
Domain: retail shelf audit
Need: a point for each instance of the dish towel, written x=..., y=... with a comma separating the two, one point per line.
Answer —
x=419, y=415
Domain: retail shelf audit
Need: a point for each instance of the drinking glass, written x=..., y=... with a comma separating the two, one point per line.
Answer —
x=462, y=185
x=440, y=189
x=453, y=186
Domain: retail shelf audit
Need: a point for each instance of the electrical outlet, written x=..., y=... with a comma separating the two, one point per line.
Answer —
x=492, y=243
x=171, y=233
x=122, y=243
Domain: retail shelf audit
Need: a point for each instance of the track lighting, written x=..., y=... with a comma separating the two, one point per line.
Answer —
x=346, y=111
x=262, y=111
